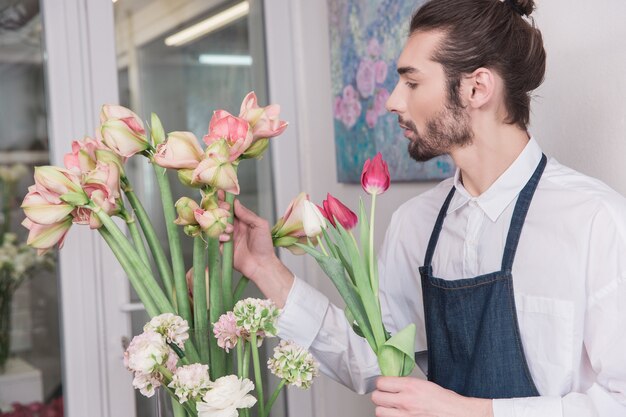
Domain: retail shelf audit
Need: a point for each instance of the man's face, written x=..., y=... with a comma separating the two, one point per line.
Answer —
x=433, y=123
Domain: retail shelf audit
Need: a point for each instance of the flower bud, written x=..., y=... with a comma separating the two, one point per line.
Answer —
x=185, y=207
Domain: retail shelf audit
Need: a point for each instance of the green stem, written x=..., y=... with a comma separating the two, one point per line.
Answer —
x=272, y=400
x=241, y=286
x=151, y=237
x=169, y=212
x=258, y=378
x=137, y=264
x=134, y=233
x=133, y=276
x=246, y=359
x=227, y=260
x=216, y=308
x=373, y=280
x=201, y=327
x=240, y=343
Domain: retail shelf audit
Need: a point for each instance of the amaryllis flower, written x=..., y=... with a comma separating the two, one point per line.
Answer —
x=254, y=315
x=264, y=121
x=226, y=331
x=375, y=176
x=313, y=220
x=227, y=394
x=42, y=211
x=122, y=131
x=44, y=237
x=213, y=222
x=173, y=328
x=83, y=156
x=53, y=182
x=190, y=382
x=216, y=169
x=234, y=130
x=294, y=364
x=336, y=210
x=185, y=207
x=180, y=150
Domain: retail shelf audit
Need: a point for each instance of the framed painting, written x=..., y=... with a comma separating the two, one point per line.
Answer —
x=366, y=38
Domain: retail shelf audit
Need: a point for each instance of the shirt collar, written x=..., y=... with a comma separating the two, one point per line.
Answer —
x=505, y=189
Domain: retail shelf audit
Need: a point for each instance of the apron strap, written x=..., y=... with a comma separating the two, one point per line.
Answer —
x=519, y=215
x=434, y=237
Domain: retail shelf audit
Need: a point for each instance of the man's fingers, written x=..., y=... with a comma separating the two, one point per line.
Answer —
x=390, y=383
x=385, y=399
x=388, y=412
x=229, y=228
x=247, y=216
x=223, y=205
x=224, y=238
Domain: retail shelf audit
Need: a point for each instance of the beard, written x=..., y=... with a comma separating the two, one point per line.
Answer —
x=448, y=129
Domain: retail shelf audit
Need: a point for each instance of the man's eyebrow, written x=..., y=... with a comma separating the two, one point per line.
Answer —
x=407, y=70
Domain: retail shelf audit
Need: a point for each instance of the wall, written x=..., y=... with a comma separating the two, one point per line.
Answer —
x=578, y=117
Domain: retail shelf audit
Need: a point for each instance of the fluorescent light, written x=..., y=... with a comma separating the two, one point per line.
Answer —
x=209, y=25
x=226, y=60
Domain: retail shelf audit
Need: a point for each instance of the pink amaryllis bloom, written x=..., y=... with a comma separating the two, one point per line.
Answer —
x=185, y=207
x=181, y=150
x=83, y=156
x=44, y=237
x=289, y=229
x=335, y=210
x=216, y=169
x=375, y=177
x=39, y=210
x=213, y=222
x=234, y=130
x=102, y=186
x=122, y=130
x=53, y=182
x=264, y=121
x=226, y=331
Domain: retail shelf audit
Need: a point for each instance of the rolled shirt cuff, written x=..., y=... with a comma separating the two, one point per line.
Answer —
x=528, y=407
x=301, y=318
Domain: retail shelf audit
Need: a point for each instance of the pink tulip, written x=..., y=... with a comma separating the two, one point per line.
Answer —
x=213, y=222
x=234, y=130
x=290, y=224
x=336, y=210
x=216, y=169
x=264, y=121
x=181, y=150
x=41, y=211
x=375, y=176
x=44, y=236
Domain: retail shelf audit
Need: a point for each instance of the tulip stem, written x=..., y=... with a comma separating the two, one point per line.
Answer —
x=169, y=212
x=258, y=378
x=151, y=237
x=201, y=328
x=373, y=280
x=216, y=308
x=227, y=260
x=270, y=402
x=241, y=286
x=133, y=276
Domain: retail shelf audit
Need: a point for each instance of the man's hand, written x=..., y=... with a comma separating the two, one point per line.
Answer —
x=254, y=255
x=411, y=397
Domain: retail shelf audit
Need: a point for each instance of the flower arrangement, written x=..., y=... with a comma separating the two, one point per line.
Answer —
x=325, y=232
x=177, y=350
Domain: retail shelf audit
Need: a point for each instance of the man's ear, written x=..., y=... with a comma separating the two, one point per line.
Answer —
x=479, y=87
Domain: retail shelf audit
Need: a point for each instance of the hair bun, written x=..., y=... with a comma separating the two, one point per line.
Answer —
x=523, y=7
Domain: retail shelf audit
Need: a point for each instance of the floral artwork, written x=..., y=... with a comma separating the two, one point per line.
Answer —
x=366, y=38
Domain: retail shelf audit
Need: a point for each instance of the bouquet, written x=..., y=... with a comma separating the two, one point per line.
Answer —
x=325, y=232
x=178, y=350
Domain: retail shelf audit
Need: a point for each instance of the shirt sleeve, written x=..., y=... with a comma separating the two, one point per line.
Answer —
x=604, y=335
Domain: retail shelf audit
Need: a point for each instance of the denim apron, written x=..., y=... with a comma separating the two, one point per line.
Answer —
x=474, y=344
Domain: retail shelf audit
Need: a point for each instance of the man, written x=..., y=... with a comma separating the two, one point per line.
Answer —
x=513, y=271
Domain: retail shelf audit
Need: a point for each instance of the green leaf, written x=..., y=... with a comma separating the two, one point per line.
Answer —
x=396, y=357
x=158, y=134
x=355, y=326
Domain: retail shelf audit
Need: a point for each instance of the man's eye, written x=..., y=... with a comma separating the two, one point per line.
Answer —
x=411, y=85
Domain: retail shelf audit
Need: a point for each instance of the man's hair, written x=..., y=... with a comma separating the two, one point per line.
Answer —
x=489, y=34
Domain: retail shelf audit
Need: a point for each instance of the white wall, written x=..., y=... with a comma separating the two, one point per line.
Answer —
x=579, y=117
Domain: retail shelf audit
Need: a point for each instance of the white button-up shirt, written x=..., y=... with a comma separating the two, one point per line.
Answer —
x=569, y=277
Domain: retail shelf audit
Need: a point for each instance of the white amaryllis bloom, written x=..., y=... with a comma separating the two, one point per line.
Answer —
x=294, y=364
x=146, y=351
x=190, y=381
x=225, y=396
x=255, y=315
x=313, y=220
x=174, y=328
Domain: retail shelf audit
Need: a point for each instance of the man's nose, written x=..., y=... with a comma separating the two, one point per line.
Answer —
x=394, y=103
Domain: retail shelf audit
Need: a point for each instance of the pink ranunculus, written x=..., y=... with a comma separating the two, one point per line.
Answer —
x=375, y=177
x=371, y=117
x=264, y=121
x=226, y=331
x=380, y=100
x=373, y=48
x=366, y=78
x=336, y=210
x=181, y=150
x=44, y=237
x=42, y=211
x=380, y=69
x=83, y=156
x=234, y=130
x=350, y=112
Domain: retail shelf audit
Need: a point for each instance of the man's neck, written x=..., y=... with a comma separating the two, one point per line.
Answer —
x=490, y=154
